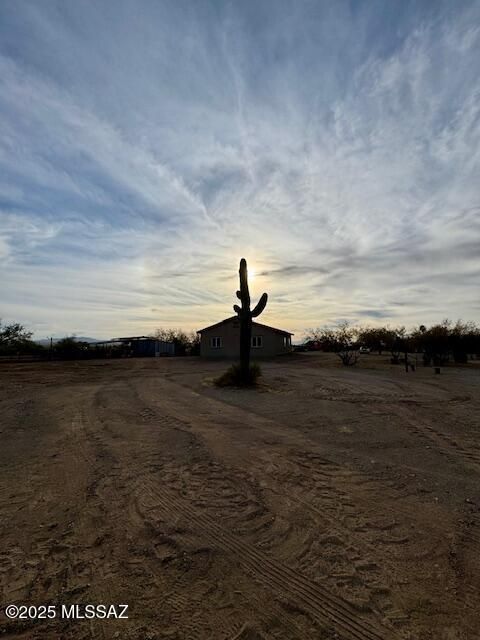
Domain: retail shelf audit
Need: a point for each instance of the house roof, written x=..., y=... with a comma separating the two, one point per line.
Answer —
x=256, y=324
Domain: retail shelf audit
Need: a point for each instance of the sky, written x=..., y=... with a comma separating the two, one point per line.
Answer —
x=146, y=146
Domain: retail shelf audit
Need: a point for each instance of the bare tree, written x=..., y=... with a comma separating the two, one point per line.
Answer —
x=346, y=344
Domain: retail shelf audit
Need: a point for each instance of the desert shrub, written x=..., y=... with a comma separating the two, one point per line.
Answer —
x=70, y=349
x=233, y=377
x=349, y=356
x=346, y=347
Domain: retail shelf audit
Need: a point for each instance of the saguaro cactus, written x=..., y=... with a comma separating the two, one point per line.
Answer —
x=246, y=315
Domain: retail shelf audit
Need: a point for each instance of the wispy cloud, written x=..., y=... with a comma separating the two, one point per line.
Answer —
x=145, y=147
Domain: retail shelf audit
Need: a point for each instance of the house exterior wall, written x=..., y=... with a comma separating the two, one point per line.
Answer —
x=229, y=332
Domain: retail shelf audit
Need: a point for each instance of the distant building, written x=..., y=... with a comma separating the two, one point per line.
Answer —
x=222, y=340
x=138, y=346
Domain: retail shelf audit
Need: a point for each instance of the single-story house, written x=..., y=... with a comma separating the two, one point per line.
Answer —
x=222, y=340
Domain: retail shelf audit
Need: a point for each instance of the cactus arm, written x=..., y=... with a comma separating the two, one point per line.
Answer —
x=261, y=304
x=237, y=309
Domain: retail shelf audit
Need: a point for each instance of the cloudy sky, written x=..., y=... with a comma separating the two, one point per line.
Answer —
x=146, y=146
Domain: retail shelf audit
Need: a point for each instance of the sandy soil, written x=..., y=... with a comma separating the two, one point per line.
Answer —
x=330, y=503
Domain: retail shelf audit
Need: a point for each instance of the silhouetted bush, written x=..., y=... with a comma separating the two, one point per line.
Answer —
x=233, y=377
x=71, y=349
x=445, y=341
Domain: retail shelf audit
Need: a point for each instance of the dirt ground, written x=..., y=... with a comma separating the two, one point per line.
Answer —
x=329, y=503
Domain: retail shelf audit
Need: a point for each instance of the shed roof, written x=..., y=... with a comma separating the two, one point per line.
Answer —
x=256, y=324
x=129, y=339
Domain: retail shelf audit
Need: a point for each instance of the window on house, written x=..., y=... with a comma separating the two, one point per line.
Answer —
x=216, y=342
x=257, y=342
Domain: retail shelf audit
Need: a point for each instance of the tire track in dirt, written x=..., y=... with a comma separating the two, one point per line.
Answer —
x=465, y=552
x=445, y=444
x=155, y=561
x=466, y=559
x=335, y=509
x=62, y=464
x=177, y=593
x=72, y=558
x=418, y=426
x=166, y=550
x=327, y=609
x=87, y=461
x=328, y=469
x=303, y=463
x=310, y=463
x=165, y=420
x=101, y=517
x=336, y=506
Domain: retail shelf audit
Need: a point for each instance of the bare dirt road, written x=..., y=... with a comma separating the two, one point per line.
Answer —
x=330, y=503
